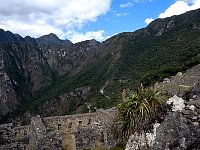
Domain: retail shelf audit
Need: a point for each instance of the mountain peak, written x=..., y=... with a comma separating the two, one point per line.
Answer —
x=7, y=36
x=52, y=35
x=52, y=39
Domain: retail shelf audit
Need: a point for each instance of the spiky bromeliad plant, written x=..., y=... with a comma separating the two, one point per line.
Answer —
x=138, y=110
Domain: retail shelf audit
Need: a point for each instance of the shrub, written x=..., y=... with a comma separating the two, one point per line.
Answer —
x=139, y=110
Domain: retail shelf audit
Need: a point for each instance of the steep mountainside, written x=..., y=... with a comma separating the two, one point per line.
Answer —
x=21, y=74
x=93, y=73
x=29, y=67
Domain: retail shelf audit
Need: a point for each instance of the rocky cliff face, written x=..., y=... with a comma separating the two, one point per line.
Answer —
x=21, y=74
x=28, y=65
x=70, y=58
x=8, y=96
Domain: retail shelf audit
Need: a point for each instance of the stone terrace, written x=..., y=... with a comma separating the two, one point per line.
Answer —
x=181, y=83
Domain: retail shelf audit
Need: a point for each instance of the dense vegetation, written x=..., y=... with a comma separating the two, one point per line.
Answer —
x=147, y=57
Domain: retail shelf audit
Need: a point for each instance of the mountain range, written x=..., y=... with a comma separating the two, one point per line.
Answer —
x=49, y=76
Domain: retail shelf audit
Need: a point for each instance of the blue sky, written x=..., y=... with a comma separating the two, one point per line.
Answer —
x=79, y=20
x=130, y=17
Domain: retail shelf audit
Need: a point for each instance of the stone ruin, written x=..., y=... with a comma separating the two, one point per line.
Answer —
x=71, y=132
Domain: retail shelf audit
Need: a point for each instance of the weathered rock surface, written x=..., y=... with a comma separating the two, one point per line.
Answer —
x=180, y=129
x=177, y=132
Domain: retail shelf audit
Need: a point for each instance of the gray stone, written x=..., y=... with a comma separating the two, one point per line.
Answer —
x=166, y=80
x=194, y=96
x=187, y=112
x=179, y=74
x=194, y=118
x=185, y=135
x=198, y=111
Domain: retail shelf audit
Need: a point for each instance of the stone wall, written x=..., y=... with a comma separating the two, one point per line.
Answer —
x=41, y=139
x=14, y=137
x=21, y=131
x=71, y=132
x=70, y=122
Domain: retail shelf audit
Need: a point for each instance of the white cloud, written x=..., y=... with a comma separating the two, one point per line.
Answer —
x=39, y=17
x=128, y=4
x=77, y=37
x=148, y=20
x=179, y=7
x=34, y=30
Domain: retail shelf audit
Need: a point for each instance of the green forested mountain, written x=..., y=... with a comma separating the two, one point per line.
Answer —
x=95, y=73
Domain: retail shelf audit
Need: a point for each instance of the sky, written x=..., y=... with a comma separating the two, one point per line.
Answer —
x=79, y=20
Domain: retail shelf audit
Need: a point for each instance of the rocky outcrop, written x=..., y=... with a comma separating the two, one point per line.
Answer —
x=180, y=129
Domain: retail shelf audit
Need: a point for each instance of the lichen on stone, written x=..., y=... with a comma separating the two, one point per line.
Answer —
x=150, y=137
x=177, y=103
